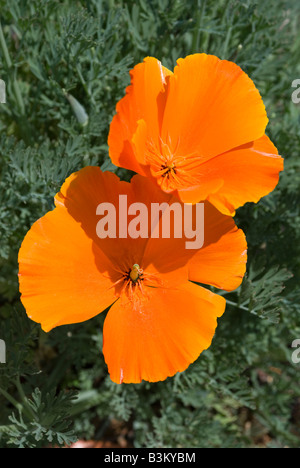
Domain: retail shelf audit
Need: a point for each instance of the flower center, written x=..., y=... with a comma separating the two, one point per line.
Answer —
x=134, y=283
x=135, y=273
x=167, y=170
x=172, y=170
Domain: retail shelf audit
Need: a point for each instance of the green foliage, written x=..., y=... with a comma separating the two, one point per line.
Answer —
x=66, y=65
x=48, y=421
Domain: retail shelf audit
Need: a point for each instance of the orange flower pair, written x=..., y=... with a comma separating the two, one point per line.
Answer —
x=197, y=135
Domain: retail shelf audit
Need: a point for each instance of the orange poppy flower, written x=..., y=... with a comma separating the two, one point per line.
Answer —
x=198, y=132
x=159, y=321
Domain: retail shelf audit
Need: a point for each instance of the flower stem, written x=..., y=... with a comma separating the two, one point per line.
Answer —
x=25, y=404
x=241, y=307
x=9, y=66
x=197, y=33
x=21, y=407
x=11, y=399
x=4, y=49
x=235, y=304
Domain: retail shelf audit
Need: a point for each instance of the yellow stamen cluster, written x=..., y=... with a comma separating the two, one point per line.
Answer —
x=135, y=273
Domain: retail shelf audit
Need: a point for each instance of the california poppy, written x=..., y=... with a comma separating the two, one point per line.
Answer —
x=159, y=320
x=198, y=132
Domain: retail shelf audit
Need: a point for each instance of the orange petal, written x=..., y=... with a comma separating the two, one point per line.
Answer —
x=166, y=257
x=66, y=271
x=83, y=192
x=200, y=192
x=144, y=100
x=212, y=107
x=162, y=335
x=222, y=260
x=63, y=277
x=249, y=173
